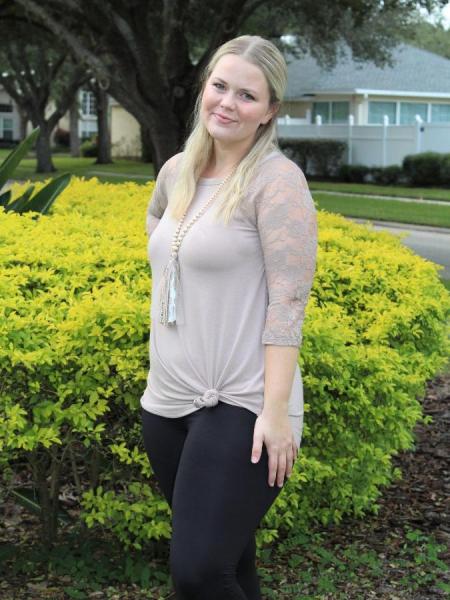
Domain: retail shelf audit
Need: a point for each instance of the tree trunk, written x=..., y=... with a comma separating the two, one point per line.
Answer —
x=40, y=465
x=103, y=136
x=147, y=147
x=23, y=121
x=43, y=151
x=74, y=137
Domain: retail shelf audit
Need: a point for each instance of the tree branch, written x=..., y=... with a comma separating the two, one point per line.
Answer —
x=85, y=55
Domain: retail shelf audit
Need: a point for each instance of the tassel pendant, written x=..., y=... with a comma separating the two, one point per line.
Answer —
x=170, y=292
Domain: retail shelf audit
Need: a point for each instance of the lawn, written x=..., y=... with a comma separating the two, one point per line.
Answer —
x=121, y=170
x=385, y=210
x=383, y=190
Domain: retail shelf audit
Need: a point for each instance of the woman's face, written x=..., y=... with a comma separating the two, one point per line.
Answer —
x=237, y=90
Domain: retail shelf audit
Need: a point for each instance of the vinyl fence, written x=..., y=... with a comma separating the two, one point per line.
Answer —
x=373, y=145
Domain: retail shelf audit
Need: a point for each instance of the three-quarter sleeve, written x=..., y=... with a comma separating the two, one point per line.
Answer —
x=158, y=201
x=287, y=226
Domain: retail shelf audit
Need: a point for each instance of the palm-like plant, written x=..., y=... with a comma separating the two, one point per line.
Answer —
x=42, y=200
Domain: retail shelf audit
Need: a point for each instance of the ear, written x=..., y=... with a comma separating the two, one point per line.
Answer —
x=273, y=110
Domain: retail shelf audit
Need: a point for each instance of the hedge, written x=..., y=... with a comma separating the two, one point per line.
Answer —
x=74, y=328
x=427, y=168
x=319, y=157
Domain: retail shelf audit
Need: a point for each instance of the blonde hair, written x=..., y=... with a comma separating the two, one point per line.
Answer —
x=198, y=147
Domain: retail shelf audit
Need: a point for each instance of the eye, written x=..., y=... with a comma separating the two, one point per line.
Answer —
x=218, y=84
x=248, y=95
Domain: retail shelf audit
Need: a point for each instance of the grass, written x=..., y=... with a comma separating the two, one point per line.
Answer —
x=385, y=210
x=350, y=205
x=383, y=190
x=121, y=170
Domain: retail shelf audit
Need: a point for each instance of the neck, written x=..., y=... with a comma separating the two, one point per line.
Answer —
x=224, y=158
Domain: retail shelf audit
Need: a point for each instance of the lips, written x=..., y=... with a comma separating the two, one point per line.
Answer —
x=222, y=118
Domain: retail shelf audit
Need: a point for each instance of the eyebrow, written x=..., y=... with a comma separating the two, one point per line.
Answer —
x=245, y=89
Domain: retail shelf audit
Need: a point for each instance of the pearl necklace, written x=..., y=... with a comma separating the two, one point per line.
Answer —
x=171, y=288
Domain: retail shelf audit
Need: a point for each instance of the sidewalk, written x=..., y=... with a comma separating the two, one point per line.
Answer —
x=376, y=197
x=397, y=225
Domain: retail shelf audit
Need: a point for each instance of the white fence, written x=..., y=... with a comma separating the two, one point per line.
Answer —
x=373, y=145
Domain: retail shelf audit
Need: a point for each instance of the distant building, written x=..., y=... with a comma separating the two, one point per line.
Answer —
x=418, y=83
x=10, y=126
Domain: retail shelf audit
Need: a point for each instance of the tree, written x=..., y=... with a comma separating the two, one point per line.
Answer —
x=428, y=36
x=73, y=124
x=36, y=71
x=149, y=55
x=103, y=132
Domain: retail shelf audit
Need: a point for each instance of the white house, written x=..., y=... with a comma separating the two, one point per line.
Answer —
x=383, y=113
x=10, y=117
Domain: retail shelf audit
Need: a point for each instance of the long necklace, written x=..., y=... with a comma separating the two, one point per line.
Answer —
x=170, y=289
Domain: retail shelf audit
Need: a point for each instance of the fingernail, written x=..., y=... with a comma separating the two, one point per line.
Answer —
x=254, y=459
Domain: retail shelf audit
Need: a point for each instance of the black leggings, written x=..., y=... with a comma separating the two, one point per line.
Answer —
x=217, y=496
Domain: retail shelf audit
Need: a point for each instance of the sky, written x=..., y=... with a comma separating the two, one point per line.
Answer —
x=445, y=14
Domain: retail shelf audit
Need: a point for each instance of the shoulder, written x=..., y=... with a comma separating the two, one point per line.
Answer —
x=277, y=166
x=169, y=167
x=280, y=181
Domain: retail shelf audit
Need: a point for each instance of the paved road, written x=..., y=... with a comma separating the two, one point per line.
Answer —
x=432, y=243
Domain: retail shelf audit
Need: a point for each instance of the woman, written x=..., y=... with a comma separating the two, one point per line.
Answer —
x=222, y=413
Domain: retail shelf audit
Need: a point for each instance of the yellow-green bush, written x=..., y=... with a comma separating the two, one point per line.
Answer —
x=74, y=328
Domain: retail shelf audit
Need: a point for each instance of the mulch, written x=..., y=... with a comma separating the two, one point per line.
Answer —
x=420, y=500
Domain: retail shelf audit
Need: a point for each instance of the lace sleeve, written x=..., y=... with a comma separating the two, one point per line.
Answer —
x=287, y=226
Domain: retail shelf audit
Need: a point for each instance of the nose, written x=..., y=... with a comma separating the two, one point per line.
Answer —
x=227, y=100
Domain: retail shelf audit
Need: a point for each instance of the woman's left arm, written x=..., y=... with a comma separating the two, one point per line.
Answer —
x=287, y=225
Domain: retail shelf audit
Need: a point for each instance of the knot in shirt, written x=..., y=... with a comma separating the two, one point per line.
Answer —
x=210, y=398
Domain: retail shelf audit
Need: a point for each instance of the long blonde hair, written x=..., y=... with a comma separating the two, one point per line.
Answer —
x=198, y=147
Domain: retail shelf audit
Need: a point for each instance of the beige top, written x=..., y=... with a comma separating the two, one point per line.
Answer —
x=242, y=286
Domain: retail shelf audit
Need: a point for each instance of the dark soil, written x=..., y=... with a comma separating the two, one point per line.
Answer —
x=420, y=500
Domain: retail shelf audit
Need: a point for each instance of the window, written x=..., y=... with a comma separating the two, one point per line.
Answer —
x=88, y=129
x=88, y=106
x=440, y=113
x=6, y=108
x=409, y=110
x=331, y=112
x=378, y=109
x=6, y=128
x=340, y=112
x=322, y=109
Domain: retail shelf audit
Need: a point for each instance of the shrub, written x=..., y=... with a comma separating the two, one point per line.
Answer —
x=445, y=170
x=89, y=148
x=319, y=157
x=353, y=173
x=389, y=175
x=74, y=328
x=424, y=168
x=62, y=137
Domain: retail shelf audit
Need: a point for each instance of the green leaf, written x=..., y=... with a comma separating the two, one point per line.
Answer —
x=43, y=200
x=8, y=166
x=29, y=499
x=20, y=202
x=5, y=198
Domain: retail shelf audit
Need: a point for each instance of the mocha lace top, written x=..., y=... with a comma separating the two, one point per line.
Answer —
x=242, y=286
